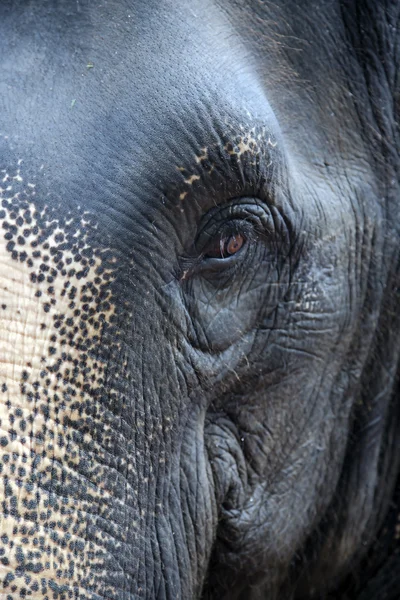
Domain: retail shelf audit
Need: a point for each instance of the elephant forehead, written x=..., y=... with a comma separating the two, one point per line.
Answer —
x=55, y=305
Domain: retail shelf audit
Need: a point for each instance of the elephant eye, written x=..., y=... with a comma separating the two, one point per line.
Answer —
x=223, y=246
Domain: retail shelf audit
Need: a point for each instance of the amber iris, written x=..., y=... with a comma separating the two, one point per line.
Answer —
x=222, y=247
x=234, y=243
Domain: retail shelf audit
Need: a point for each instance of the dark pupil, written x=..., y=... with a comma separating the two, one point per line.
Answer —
x=222, y=247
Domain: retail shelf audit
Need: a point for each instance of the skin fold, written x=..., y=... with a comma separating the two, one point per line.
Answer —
x=199, y=299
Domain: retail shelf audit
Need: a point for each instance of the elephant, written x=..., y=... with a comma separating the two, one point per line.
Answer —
x=199, y=299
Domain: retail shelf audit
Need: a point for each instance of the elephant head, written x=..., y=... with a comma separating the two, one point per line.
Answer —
x=199, y=299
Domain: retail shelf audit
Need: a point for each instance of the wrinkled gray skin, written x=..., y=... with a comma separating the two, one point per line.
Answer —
x=177, y=420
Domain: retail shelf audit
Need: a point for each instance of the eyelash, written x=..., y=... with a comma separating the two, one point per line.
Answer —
x=201, y=263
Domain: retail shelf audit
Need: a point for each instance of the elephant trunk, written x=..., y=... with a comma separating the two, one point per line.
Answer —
x=93, y=487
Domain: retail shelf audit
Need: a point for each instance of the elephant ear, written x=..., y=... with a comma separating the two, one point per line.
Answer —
x=373, y=30
x=365, y=513
x=385, y=582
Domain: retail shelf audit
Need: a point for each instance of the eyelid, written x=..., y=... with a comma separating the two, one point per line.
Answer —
x=246, y=208
x=199, y=263
x=248, y=216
